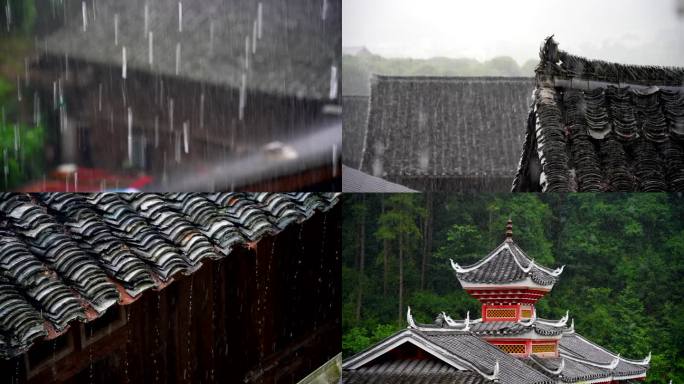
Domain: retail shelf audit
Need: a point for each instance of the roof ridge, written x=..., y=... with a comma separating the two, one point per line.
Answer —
x=555, y=62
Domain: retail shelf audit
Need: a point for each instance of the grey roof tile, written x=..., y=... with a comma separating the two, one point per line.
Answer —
x=63, y=255
x=599, y=126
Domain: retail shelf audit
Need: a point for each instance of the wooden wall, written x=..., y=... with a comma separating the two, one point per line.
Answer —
x=269, y=315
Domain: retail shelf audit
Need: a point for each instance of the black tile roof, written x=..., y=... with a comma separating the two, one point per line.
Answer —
x=356, y=181
x=574, y=345
x=410, y=372
x=67, y=256
x=598, y=126
x=300, y=41
x=484, y=355
x=354, y=129
x=505, y=265
x=503, y=328
x=445, y=127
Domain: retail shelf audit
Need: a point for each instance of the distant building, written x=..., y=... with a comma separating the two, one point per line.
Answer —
x=116, y=288
x=509, y=344
x=444, y=133
x=599, y=126
x=172, y=88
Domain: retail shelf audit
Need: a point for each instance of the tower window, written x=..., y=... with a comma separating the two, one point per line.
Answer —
x=543, y=348
x=512, y=348
x=501, y=312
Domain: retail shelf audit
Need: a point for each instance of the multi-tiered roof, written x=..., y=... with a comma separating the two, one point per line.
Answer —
x=508, y=344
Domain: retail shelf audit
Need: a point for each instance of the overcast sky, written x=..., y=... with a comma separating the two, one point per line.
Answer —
x=626, y=31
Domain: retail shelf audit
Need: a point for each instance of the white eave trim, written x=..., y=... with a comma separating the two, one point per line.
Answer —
x=526, y=283
x=436, y=351
x=403, y=337
x=559, y=323
x=610, y=366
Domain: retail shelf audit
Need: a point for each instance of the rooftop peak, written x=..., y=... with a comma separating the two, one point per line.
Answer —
x=509, y=230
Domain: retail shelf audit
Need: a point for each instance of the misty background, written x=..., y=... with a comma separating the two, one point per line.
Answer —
x=501, y=38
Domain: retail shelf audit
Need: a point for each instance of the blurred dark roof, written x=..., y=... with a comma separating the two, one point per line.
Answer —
x=445, y=127
x=66, y=256
x=300, y=41
x=601, y=126
x=357, y=181
x=355, y=110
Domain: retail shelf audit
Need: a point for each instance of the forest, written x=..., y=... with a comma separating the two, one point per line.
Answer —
x=624, y=257
x=358, y=68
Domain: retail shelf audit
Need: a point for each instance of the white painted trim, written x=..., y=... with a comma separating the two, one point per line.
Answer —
x=473, y=267
x=409, y=319
x=526, y=283
x=559, y=323
x=403, y=337
x=609, y=366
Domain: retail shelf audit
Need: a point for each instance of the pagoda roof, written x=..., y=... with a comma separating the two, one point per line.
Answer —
x=506, y=264
x=459, y=346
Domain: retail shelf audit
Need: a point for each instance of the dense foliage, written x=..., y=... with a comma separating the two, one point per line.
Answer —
x=622, y=283
x=356, y=69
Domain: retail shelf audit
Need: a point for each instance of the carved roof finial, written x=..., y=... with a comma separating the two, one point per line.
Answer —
x=509, y=230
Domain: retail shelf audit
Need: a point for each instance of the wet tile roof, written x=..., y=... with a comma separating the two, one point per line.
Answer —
x=445, y=126
x=290, y=52
x=505, y=264
x=410, y=372
x=354, y=129
x=66, y=256
x=598, y=126
x=485, y=355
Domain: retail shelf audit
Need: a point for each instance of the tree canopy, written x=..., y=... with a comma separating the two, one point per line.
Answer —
x=624, y=257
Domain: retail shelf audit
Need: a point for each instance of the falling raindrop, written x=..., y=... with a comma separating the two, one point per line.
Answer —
x=156, y=131
x=17, y=140
x=202, y=110
x=130, y=136
x=54, y=95
x=324, y=9
x=180, y=16
x=171, y=114
x=178, y=57
x=18, y=88
x=334, y=160
x=84, y=12
x=254, y=37
x=8, y=14
x=75, y=181
x=333, y=82
x=99, y=102
x=150, y=48
x=211, y=38
x=260, y=10
x=243, y=97
x=124, y=67
x=116, y=29
x=186, y=129
x=246, y=52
